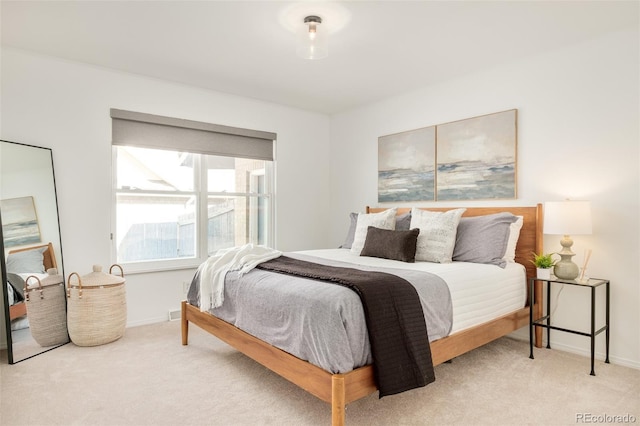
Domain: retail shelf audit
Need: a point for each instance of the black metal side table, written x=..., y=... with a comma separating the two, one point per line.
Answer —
x=545, y=321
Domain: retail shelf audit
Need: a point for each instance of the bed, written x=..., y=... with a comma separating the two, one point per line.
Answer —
x=339, y=389
x=25, y=261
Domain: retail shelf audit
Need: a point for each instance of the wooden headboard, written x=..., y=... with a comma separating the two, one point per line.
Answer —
x=530, y=235
x=49, y=260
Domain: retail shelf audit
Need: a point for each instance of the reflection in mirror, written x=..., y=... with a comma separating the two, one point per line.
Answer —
x=31, y=247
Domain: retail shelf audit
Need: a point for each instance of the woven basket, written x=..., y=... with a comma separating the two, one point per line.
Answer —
x=46, y=310
x=97, y=307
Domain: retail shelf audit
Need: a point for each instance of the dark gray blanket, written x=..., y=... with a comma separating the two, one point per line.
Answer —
x=394, y=317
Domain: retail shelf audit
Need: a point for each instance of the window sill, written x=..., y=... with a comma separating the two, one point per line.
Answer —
x=154, y=267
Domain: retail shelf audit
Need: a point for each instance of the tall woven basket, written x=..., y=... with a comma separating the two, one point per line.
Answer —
x=97, y=307
x=46, y=308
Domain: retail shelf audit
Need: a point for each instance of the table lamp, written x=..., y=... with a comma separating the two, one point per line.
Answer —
x=567, y=218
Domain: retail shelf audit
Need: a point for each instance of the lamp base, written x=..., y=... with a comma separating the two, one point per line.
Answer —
x=565, y=269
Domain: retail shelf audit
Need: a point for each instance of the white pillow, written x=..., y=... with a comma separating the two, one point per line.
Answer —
x=514, y=234
x=437, y=237
x=383, y=220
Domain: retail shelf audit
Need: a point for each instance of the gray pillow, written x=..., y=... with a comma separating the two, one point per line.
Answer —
x=348, y=241
x=483, y=239
x=389, y=244
x=403, y=222
x=25, y=262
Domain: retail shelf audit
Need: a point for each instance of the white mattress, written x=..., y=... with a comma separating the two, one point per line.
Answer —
x=479, y=293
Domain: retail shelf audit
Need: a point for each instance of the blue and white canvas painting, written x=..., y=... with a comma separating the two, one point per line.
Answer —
x=406, y=166
x=476, y=158
x=19, y=222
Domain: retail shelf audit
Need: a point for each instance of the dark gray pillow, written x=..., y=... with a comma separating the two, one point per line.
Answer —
x=348, y=241
x=389, y=244
x=26, y=262
x=403, y=221
x=17, y=283
x=483, y=239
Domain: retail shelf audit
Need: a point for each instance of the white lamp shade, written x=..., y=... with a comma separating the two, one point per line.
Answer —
x=312, y=44
x=567, y=217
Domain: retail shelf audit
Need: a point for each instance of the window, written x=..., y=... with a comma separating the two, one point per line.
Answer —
x=174, y=208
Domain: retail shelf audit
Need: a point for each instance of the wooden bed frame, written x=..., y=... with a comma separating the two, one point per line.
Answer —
x=49, y=261
x=341, y=389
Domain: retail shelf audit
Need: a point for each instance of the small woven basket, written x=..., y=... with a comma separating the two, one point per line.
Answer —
x=97, y=307
x=46, y=308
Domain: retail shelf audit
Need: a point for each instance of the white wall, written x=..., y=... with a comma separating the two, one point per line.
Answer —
x=578, y=137
x=65, y=106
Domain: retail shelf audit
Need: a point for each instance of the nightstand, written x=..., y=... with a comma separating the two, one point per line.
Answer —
x=545, y=321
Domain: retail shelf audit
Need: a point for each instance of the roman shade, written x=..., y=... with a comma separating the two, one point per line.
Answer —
x=157, y=132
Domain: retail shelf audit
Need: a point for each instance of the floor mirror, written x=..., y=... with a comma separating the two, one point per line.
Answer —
x=31, y=246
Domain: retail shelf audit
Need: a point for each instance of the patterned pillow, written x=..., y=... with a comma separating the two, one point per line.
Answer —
x=383, y=220
x=437, y=237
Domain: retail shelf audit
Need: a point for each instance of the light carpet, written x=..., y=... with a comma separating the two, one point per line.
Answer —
x=149, y=378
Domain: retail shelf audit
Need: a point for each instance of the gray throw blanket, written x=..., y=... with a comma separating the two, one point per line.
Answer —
x=319, y=323
x=394, y=317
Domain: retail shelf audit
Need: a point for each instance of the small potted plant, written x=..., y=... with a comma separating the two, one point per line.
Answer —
x=544, y=263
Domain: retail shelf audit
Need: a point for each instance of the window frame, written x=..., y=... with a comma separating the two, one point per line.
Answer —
x=201, y=193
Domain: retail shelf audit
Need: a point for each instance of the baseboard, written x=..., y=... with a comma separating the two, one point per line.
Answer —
x=147, y=321
x=580, y=351
x=599, y=355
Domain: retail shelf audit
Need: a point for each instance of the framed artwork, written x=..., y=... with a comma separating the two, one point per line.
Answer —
x=19, y=222
x=471, y=159
x=476, y=158
x=406, y=166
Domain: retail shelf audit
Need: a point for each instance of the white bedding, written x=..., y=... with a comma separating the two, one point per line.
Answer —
x=479, y=292
x=325, y=325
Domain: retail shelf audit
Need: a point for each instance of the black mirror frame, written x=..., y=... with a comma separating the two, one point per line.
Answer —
x=5, y=298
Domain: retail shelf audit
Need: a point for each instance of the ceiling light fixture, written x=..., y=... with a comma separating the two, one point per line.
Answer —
x=313, y=42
